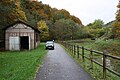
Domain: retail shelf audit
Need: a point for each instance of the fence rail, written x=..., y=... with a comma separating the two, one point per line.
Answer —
x=75, y=49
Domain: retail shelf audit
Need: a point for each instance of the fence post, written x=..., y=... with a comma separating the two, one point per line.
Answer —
x=74, y=51
x=82, y=53
x=71, y=48
x=65, y=44
x=91, y=57
x=68, y=46
x=78, y=52
x=104, y=65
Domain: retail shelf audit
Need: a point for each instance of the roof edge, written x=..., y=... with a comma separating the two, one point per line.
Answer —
x=17, y=22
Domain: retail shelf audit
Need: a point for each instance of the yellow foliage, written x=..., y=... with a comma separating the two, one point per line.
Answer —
x=116, y=28
x=6, y=2
x=117, y=24
x=42, y=26
x=20, y=14
x=17, y=3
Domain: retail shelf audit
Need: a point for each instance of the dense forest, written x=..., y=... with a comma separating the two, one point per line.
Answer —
x=54, y=23
x=50, y=21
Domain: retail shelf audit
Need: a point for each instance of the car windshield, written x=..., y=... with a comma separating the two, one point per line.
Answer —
x=49, y=42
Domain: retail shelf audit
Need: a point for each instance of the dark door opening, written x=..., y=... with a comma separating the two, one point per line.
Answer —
x=24, y=42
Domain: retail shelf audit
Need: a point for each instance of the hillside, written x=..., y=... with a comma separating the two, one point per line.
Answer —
x=108, y=27
x=109, y=24
x=33, y=12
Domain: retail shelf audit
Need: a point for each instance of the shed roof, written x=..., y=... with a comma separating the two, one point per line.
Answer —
x=17, y=22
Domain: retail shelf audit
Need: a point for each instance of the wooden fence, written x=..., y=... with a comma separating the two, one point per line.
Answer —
x=75, y=49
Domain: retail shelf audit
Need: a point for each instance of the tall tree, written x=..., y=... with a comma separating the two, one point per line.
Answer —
x=44, y=30
x=66, y=29
x=96, y=28
x=77, y=20
x=116, y=28
x=33, y=12
x=97, y=24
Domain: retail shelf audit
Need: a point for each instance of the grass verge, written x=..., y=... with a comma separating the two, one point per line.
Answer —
x=21, y=65
x=95, y=71
x=111, y=46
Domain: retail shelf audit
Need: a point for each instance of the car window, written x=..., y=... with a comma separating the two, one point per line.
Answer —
x=49, y=42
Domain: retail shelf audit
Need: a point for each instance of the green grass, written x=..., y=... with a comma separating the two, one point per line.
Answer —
x=111, y=46
x=21, y=65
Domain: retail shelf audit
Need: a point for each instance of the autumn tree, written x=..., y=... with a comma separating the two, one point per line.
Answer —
x=77, y=20
x=35, y=13
x=11, y=11
x=17, y=13
x=51, y=27
x=60, y=14
x=116, y=28
x=44, y=30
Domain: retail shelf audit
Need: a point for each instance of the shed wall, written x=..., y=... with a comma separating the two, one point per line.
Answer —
x=19, y=30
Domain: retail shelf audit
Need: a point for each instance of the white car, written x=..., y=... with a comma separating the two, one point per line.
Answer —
x=50, y=45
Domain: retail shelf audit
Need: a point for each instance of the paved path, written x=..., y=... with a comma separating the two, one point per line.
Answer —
x=59, y=65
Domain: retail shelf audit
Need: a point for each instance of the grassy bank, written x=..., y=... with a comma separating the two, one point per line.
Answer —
x=111, y=46
x=21, y=65
x=96, y=71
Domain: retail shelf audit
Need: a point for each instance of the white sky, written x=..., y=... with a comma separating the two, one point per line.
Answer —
x=87, y=10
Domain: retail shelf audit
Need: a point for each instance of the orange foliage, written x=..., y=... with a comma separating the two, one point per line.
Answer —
x=116, y=29
x=77, y=20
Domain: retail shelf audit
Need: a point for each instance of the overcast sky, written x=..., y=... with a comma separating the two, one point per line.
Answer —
x=87, y=10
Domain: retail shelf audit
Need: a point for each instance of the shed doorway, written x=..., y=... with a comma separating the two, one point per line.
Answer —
x=24, y=43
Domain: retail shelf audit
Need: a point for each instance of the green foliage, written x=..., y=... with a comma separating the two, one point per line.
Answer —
x=112, y=46
x=84, y=33
x=66, y=29
x=97, y=24
x=108, y=28
x=21, y=65
x=52, y=31
x=96, y=28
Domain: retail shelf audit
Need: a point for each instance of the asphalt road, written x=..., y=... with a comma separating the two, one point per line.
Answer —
x=58, y=65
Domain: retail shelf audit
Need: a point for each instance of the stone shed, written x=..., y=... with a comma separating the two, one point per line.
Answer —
x=21, y=36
